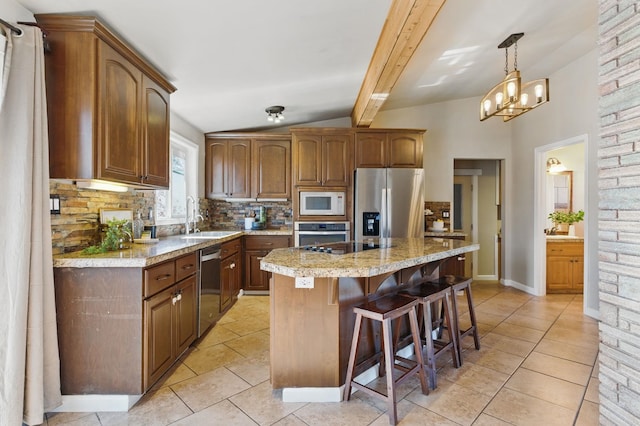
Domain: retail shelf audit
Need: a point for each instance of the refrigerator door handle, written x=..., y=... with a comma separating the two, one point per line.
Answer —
x=384, y=214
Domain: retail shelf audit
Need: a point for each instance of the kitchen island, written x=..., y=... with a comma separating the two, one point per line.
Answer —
x=312, y=299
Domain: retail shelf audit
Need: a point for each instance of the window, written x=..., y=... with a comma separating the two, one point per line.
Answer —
x=171, y=204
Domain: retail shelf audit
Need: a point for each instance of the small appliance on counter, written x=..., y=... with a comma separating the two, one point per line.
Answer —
x=261, y=219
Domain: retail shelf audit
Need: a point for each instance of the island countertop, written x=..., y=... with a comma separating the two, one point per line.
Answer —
x=399, y=253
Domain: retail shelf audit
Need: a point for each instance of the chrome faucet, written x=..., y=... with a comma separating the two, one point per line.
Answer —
x=191, y=224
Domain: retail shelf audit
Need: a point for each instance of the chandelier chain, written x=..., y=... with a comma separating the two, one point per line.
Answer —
x=515, y=57
x=506, y=61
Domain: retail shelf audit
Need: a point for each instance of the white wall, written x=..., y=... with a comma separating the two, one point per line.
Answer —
x=12, y=12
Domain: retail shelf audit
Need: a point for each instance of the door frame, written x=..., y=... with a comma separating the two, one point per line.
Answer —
x=474, y=173
x=540, y=217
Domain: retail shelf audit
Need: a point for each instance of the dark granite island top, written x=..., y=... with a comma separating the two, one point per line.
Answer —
x=311, y=319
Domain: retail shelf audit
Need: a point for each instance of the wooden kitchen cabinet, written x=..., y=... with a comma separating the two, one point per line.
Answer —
x=565, y=266
x=255, y=248
x=228, y=168
x=108, y=109
x=321, y=157
x=230, y=273
x=378, y=148
x=247, y=165
x=271, y=166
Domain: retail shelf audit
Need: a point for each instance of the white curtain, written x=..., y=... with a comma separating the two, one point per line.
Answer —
x=29, y=360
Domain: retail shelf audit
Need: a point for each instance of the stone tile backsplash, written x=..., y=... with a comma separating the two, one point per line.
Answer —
x=439, y=208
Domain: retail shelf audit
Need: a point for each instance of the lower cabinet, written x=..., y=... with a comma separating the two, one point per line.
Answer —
x=121, y=328
x=255, y=248
x=565, y=266
x=231, y=273
x=454, y=265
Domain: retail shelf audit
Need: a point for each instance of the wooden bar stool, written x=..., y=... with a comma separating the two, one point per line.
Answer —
x=384, y=310
x=429, y=295
x=462, y=284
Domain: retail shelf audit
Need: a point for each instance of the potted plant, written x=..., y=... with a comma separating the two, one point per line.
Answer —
x=562, y=218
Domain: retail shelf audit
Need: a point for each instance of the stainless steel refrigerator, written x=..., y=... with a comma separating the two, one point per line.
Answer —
x=388, y=203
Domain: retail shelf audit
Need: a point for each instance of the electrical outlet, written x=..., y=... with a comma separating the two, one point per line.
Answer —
x=54, y=204
x=445, y=213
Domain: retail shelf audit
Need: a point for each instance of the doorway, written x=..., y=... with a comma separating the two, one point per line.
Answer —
x=476, y=212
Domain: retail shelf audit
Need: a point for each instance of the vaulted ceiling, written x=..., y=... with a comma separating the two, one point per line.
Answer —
x=334, y=58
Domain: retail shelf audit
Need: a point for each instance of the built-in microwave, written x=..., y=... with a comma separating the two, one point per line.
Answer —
x=322, y=203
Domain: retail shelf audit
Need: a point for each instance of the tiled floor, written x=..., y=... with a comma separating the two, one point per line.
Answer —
x=535, y=367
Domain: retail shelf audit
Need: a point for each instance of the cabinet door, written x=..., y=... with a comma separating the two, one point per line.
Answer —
x=236, y=273
x=118, y=117
x=255, y=278
x=370, y=150
x=271, y=166
x=559, y=274
x=453, y=266
x=404, y=150
x=215, y=168
x=239, y=169
x=186, y=313
x=577, y=274
x=159, y=346
x=155, y=134
x=307, y=154
x=336, y=160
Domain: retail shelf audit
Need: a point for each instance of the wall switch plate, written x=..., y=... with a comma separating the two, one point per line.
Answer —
x=304, y=282
x=54, y=204
x=445, y=213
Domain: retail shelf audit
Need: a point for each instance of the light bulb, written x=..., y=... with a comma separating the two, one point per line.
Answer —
x=539, y=89
x=524, y=98
x=511, y=90
x=487, y=106
x=270, y=117
x=499, y=100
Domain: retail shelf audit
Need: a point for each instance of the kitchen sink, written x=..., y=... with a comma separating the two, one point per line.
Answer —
x=210, y=235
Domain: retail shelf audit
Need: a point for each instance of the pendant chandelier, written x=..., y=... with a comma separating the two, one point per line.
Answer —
x=274, y=113
x=510, y=98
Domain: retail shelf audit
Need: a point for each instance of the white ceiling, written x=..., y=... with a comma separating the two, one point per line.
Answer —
x=230, y=60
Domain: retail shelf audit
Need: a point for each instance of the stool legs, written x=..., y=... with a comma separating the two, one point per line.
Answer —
x=465, y=286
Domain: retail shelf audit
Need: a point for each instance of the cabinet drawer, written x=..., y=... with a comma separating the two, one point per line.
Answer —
x=158, y=278
x=265, y=242
x=186, y=265
x=565, y=249
x=230, y=247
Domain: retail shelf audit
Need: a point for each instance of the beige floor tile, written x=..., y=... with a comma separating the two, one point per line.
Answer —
x=209, y=388
x=349, y=413
x=486, y=420
x=560, y=368
x=210, y=358
x=290, y=420
x=551, y=389
x=72, y=419
x=252, y=370
x=216, y=335
x=248, y=325
x=410, y=414
x=459, y=404
x=592, y=393
x=494, y=359
x=250, y=345
x=588, y=415
x=478, y=378
x=568, y=351
x=489, y=318
x=264, y=405
x=380, y=385
x=158, y=408
x=507, y=344
x=585, y=339
x=529, y=322
x=223, y=413
x=519, y=332
x=521, y=409
x=176, y=374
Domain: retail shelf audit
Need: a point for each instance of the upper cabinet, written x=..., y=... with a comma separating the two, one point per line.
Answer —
x=388, y=148
x=240, y=166
x=321, y=157
x=108, y=108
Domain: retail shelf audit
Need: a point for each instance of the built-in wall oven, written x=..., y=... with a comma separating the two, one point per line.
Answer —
x=318, y=233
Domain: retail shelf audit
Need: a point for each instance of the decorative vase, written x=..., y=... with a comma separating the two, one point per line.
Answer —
x=572, y=230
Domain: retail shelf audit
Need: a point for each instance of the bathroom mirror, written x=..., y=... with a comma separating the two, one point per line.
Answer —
x=562, y=191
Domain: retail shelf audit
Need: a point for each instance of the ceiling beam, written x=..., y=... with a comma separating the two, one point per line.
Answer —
x=406, y=25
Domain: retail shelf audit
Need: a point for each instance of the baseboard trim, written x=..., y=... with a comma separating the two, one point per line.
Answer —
x=96, y=403
x=521, y=287
x=486, y=278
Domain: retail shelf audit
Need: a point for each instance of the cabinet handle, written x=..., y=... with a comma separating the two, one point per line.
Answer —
x=462, y=258
x=233, y=265
x=179, y=296
x=163, y=277
x=260, y=258
x=189, y=266
x=174, y=299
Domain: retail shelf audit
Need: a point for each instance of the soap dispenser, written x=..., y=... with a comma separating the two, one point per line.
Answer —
x=138, y=227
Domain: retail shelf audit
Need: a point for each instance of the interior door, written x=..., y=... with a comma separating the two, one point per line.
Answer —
x=463, y=213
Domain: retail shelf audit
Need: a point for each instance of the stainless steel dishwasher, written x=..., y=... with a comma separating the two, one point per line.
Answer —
x=209, y=288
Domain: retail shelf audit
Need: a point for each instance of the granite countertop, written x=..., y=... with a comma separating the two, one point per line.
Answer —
x=402, y=253
x=563, y=238
x=142, y=255
x=444, y=234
